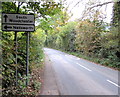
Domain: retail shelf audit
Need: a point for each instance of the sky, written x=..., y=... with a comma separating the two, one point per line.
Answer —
x=77, y=10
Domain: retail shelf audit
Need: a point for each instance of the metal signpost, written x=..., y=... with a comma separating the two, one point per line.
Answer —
x=19, y=23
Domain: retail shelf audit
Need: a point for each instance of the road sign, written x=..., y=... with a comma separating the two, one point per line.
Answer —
x=18, y=18
x=20, y=28
x=18, y=22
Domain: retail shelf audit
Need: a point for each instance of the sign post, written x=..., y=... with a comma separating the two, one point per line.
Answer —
x=19, y=23
x=27, y=58
x=16, y=44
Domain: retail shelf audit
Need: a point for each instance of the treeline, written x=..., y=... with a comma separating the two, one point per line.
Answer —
x=90, y=38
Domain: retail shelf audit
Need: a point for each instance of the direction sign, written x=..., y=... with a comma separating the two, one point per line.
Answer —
x=18, y=22
x=18, y=18
x=20, y=28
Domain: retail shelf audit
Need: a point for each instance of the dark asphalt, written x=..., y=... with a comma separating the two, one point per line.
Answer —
x=75, y=76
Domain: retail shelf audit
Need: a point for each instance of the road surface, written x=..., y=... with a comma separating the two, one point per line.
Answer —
x=76, y=76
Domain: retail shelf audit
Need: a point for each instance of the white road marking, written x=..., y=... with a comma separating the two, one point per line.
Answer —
x=84, y=67
x=66, y=55
x=113, y=83
x=70, y=56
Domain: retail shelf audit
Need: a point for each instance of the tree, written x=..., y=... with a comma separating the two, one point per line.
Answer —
x=67, y=35
x=116, y=14
x=52, y=26
x=42, y=9
x=116, y=24
x=112, y=38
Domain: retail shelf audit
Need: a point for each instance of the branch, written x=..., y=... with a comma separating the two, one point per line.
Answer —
x=75, y=5
x=100, y=5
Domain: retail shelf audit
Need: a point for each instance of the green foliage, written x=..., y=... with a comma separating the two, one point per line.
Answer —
x=116, y=14
x=87, y=37
x=52, y=26
x=37, y=85
x=90, y=37
x=22, y=81
x=9, y=7
x=8, y=54
x=37, y=40
x=8, y=59
x=36, y=46
x=67, y=33
x=43, y=9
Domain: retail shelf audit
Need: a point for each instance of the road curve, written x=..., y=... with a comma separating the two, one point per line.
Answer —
x=75, y=76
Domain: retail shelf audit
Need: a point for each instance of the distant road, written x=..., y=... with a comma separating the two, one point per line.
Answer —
x=75, y=76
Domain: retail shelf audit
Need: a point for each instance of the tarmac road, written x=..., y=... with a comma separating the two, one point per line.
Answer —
x=76, y=76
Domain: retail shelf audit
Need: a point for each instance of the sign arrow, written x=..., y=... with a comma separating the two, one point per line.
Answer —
x=6, y=27
x=19, y=28
x=5, y=16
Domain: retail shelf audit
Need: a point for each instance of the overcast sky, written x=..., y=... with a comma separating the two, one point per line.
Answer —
x=77, y=10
